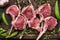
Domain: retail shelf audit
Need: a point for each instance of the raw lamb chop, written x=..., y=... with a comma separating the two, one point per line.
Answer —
x=34, y=24
x=28, y=12
x=49, y=23
x=19, y=23
x=45, y=10
x=13, y=11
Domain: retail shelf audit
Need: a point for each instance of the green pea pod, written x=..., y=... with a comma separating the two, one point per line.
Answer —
x=57, y=10
x=4, y=19
x=12, y=35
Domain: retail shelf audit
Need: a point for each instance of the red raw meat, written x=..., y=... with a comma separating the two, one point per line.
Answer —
x=51, y=22
x=28, y=15
x=34, y=23
x=45, y=10
x=13, y=11
x=28, y=12
x=19, y=23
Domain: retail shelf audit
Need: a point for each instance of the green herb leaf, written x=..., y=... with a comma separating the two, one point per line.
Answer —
x=46, y=37
x=12, y=35
x=2, y=31
x=4, y=34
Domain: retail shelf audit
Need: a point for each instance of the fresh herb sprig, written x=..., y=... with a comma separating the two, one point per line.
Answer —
x=4, y=33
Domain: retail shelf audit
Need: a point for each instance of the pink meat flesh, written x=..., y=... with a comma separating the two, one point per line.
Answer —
x=28, y=15
x=19, y=23
x=34, y=23
x=13, y=11
x=51, y=22
x=45, y=10
x=28, y=12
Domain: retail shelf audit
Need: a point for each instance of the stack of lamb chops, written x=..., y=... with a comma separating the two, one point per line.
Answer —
x=28, y=16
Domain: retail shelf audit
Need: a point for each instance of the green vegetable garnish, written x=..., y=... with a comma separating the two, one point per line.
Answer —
x=57, y=10
x=59, y=29
x=12, y=35
x=4, y=34
x=4, y=19
x=46, y=37
x=2, y=31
